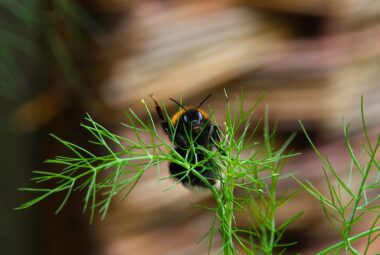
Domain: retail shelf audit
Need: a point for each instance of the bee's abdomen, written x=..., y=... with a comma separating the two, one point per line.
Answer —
x=188, y=178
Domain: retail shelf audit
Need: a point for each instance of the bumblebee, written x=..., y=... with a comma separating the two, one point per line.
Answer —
x=191, y=124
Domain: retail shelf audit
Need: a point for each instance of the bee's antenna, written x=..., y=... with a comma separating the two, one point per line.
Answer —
x=204, y=100
x=180, y=105
x=154, y=100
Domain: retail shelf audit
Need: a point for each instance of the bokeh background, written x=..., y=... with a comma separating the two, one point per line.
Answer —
x=60, y=59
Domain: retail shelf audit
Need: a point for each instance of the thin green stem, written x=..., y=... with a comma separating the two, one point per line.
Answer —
x=341, y=244
x=361, y=189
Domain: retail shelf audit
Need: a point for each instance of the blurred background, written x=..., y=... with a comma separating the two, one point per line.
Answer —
x=61, y=59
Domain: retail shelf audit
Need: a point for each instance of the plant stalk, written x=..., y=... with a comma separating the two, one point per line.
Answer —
x=342, y=243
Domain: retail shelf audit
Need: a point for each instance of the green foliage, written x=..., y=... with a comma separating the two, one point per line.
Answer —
x=346, y=203
x=248, y=173
x=245, y=166
x=39, y=38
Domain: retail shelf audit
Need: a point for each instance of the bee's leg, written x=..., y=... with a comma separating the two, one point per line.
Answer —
x=214, y=137
x=212, y=134
x=213, y=172
x=164, y=122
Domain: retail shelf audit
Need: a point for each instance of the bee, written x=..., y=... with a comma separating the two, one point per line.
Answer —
x=191, y=124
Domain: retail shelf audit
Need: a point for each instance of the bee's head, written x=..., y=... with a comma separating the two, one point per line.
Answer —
x=193, y=118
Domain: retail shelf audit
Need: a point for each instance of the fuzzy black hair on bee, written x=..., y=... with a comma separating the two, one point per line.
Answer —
x=191, y=125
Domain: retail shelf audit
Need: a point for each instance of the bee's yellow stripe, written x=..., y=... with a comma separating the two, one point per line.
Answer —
x=204, y=114
x=178, y=114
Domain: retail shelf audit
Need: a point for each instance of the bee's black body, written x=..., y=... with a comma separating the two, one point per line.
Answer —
x=188, y=178
x=191, y=122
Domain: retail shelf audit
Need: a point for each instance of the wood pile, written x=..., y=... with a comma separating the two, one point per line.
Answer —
x=317, y=76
